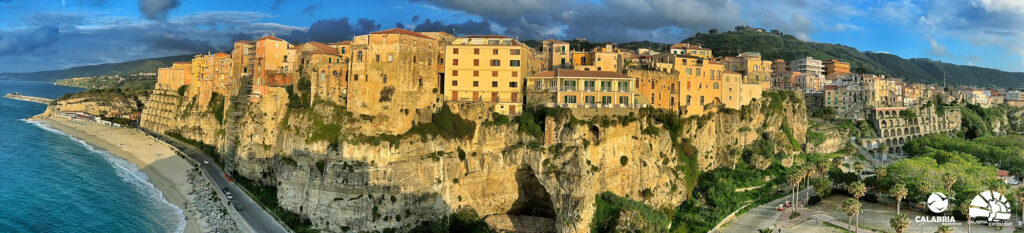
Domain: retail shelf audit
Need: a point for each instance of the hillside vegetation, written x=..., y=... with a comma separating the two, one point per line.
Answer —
x=148, y=65
x=773, y=45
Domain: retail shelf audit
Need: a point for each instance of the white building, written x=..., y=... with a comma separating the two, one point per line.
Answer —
x=808, y=65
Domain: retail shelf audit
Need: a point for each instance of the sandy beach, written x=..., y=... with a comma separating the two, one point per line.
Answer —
x=166, y=171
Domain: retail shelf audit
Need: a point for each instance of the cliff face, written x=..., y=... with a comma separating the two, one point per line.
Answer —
x=333, y=166
x=96, y=103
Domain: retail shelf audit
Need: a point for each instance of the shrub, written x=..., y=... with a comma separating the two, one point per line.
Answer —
x=182, y=90
x=385, y=94
x=624, y=160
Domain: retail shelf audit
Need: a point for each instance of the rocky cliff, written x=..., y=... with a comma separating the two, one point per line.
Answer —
x=97, y=103
x=540, y=171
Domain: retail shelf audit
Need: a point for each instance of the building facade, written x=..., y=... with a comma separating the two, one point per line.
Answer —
x=487, y=69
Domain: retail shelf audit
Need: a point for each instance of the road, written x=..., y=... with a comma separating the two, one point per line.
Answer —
x=256, y=217
x=763, y=216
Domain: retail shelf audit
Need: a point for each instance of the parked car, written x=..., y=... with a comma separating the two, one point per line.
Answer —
x=780, y=208
x=238, y=207
x=228, y=195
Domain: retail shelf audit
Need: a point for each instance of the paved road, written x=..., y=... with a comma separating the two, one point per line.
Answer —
x=763, y=216
x=253, y=215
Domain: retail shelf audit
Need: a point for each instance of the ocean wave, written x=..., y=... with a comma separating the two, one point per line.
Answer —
x=129, y=173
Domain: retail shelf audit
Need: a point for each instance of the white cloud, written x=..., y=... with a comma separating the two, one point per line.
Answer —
x=937, y=49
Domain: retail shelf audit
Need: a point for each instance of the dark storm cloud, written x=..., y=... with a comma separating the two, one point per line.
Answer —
x=333, y=30
x=173, y=42
x=466, y=28
x=628, y=20
x=240, y=36
x=309, y=10
x=157, y=9
x=19, y=43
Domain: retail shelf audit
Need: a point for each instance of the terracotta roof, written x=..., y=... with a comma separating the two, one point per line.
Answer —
x=242, y=41
x=401, y=31
x=221, y=54
x=270, y=38
x=321, y=48
x=831, y=87
x=579, y=74
x=347, y=42
x=1002, y=173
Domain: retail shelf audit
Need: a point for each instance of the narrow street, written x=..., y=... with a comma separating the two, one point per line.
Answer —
x=257, y=219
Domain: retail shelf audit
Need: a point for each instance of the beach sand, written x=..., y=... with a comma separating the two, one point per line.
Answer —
x=166, y=170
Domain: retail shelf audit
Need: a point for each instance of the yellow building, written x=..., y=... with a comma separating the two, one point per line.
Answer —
x=172, y=78
x=752, y=67
x=700, y=79
x=661, y=89
x=691, y=50
x=327, y=70
x=487, y=69
x=604, y=58
x=583, y=89
x=556, y=55
x=835, y=67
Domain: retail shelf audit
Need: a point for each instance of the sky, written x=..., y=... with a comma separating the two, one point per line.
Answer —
x=37, y=35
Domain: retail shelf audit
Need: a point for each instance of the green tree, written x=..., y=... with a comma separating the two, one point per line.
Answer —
x=898, y=192
x=1020, y=199
x=858, y=190
x=944, y=229
x=949, y=179
x=851, y=207
x=965, y=208
x=900, y=223
x=794, y=180
x=822, y=187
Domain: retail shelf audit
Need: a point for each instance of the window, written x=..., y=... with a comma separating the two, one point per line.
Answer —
x=455, y=73
x=588, y=85
x=328, y=60
x=623, y=100
x=455, y=62
x=494, y=84
x=688, y=97
x=589, y=99
x=515, y=74
x=455, y=83
x=495, y=51
x=495, y=62
x=391, y=58
x=569, y=99
x=715, y=85
x=359, y=56
x=476, y=83
x=514, y=52
x=515, y=97
x=494, y=73
x=689, y=71
x=476, y=62
x=513, y=84
x=701, y=100
x=413, y=59
x=698, y=71
x=385, y=78
x=455, y=51
x=378, y=57
x=342, y=50
x=476, y=51
x=606, y=85
x=515, y=63
x=356, y=77
x=476, y=73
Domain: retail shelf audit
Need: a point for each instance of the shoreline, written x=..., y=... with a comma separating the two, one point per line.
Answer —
x=166, y=171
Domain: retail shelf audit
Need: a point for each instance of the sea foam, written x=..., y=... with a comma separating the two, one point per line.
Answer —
x=129, y=173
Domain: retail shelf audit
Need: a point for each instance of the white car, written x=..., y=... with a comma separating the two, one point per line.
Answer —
x=206, y=161
x=228, y=195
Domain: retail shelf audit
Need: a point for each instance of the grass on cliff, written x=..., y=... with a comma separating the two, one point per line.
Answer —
x=216, y=106
x=609, y=208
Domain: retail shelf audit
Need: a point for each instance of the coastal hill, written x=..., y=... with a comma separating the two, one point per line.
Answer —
x=774, y=44
x=148, y=65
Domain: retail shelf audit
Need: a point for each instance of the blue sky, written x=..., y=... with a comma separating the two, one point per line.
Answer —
x=55, y=34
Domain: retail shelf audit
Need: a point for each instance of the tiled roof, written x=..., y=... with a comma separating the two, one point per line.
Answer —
x=831, y=87
x=401, y=31
x=347, y=42
x=321, y=48
x=564, y=73
x=270, y=38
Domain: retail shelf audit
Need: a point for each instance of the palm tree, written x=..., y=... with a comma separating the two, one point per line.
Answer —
x=899, y=192
x=944, y=229
x=858, y=166
x=858, y=190
x=793, y=179
x=764, y=230
x=881, y=172
x=821, y=187
x=851, y=207
x=900, y=223
x=949, y=179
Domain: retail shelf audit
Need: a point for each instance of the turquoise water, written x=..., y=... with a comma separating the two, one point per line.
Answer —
x=50, y=182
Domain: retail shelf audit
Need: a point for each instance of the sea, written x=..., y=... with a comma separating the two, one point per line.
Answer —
x=52, y=182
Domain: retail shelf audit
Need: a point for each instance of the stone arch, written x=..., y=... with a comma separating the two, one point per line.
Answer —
x=892, y=132
x=906, y=131
x=884, y=123
x=901, y=141
x=888, y=142
x=885, y=133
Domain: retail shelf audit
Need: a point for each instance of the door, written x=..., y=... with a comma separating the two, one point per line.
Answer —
x=455, y=95
x=476, y=96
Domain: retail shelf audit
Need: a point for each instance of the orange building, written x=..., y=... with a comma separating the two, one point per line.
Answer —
x=584, y=89
x=326, y=69
x=271, y=58
x=835, y=67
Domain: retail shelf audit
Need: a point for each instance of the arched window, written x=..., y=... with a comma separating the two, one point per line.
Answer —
x=359, y=56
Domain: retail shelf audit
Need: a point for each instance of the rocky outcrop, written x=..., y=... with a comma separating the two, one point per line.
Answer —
x=96, y=103
x=335, y=168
